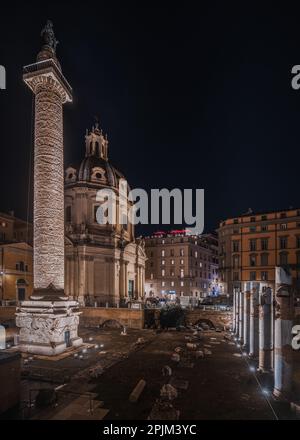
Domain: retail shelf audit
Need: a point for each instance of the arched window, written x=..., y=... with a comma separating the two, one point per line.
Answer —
x=97, y=149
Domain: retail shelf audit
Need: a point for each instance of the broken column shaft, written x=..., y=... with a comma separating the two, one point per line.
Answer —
x=265, y=322
x=253, y=337
x=246, y=320
x=283, y=356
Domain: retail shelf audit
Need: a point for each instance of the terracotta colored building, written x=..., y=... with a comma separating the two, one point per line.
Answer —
x=252, y=244
x=16, y=273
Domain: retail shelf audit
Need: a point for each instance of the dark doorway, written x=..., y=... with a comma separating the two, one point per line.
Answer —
x=21, y=293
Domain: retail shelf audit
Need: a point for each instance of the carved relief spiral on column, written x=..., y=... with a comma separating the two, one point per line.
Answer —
x=48, y=186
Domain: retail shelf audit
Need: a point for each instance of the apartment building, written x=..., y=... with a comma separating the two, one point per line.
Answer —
x=253, y=244
x=181, y=267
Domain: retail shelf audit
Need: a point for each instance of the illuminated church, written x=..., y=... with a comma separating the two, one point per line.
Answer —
x=105, y=265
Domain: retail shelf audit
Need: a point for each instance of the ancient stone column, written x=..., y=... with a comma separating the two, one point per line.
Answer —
x=237, y=307
x=241, y=316
x=51, y=91
x=283, y=358
x=49, y=321
x=253, y=337
x=265, y=322
x=246, y=330
x=233, y=312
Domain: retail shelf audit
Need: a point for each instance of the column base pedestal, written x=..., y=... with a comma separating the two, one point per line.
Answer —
x=48, y=327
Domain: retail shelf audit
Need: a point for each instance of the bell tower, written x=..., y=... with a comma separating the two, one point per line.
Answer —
x=96, y=144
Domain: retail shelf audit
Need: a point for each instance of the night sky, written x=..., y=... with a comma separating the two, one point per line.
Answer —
x=190, y=97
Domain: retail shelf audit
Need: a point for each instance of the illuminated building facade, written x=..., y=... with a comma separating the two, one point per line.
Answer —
x=253, y=244
x=181, y=266
x=105, y=264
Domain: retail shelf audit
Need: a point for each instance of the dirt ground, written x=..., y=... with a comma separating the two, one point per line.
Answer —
x=220, y=385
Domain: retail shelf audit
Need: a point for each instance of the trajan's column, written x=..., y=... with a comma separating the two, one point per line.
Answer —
x=48, y=322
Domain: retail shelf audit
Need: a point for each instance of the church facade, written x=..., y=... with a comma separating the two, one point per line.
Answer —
x=105, y=264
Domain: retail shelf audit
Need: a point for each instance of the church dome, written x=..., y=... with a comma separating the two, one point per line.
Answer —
x=95, y=167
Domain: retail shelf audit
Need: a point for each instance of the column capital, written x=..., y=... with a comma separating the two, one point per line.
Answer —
x=46, y=74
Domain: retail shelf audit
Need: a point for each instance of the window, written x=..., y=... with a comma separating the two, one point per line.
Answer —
x=264, y=276
x=151, y=276
x=172, y=252
x=298, y=242
x=181, y=273
x=264, y=217
x=172, y=283
x=181, y=252
x=181, y=261
x=235, y=246
x=182, y=283
x=68, y=214
x=235, y=221
x=162, y=252
x=252, y=228
x=252, y=260
x=283, y=242
x=252, y=219
x=283, y=258
x=172, y=262
x=264, y=244
x=264, y=228
x=235, y=261
x=283, y=226
x=252, y=245
x=163, y=272
x=196, y=254
x=95, y=212
x=172, y=273
x=163, y=283
x=236, y=276
x=252, y=276
x=97, y=149
x=283, y=215
x=264, y=259
x=98, y=175
x=163, y=262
